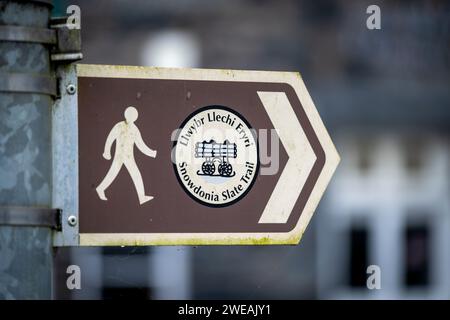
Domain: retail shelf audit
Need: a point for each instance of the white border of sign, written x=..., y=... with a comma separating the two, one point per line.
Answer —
x=292, y=78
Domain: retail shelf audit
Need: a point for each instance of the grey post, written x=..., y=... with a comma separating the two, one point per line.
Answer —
x=27, y=90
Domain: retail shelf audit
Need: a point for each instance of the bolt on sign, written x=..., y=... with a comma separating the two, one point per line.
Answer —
x=195, y=156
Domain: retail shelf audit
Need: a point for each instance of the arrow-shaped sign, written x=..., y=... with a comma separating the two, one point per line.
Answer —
x=170, y=156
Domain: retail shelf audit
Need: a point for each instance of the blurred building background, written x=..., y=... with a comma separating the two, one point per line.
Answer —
x=383, y=94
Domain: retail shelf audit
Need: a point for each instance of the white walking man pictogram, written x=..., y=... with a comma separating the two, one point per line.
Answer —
x=126, y=135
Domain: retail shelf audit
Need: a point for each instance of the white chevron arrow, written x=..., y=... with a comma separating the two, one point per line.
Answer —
x=300, y=162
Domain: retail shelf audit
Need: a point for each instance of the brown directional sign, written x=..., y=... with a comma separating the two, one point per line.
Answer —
x=195, y=156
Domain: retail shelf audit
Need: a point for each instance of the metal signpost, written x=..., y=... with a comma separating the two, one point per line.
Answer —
x=35, y=49
x=157, y=156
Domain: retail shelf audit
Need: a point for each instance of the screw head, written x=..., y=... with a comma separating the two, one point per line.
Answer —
x=71, y=89
x=72, y=220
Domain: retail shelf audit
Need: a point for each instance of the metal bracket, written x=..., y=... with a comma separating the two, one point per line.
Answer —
x=68, y=45
x=66, y=48
x=26, y=82
x=31, y=216
x=27, y=34
x=65, y=160
x=66, y=41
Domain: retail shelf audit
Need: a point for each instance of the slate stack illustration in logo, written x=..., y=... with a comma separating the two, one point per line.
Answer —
x=216, y=156
x=214, y=152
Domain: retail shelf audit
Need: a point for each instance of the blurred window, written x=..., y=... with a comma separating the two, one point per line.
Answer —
x=414, y=155
x=172, y=48
x=365, y=154
x=417, y=255
x=358, y=255
x=122, y=273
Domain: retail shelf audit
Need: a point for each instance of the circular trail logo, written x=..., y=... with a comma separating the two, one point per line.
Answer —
x=216, y=156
